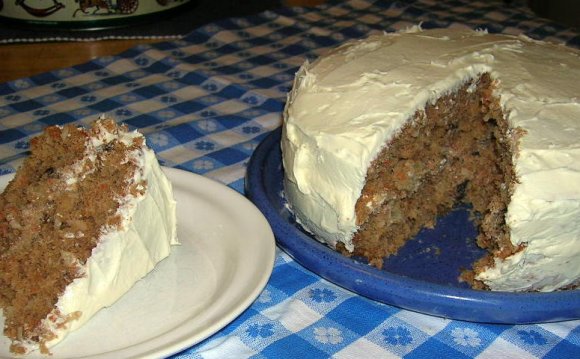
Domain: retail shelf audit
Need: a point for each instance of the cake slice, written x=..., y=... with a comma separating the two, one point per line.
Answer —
x=87, y=215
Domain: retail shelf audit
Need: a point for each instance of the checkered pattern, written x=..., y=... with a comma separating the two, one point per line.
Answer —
x=206, y=101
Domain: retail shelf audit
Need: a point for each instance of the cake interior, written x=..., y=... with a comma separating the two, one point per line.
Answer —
x=458, y=149
x=50, y=221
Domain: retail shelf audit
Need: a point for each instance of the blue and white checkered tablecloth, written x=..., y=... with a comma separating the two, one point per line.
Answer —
x=206, y=101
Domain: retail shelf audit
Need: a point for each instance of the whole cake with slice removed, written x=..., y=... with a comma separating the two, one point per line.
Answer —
x=87, y=215
x=384, y=134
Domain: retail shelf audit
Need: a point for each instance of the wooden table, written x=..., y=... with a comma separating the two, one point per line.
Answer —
x=24, y=60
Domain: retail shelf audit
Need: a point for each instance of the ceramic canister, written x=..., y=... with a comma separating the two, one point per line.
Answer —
x=84, y=14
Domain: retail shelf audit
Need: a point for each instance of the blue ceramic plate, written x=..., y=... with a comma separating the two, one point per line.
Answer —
x=422, y=277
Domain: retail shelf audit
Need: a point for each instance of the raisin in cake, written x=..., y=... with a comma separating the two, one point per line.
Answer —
x=86, y=216
x=384, y=134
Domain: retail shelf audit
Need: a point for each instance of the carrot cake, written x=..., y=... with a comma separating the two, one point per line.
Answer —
x=384, y=134
x=87, y=215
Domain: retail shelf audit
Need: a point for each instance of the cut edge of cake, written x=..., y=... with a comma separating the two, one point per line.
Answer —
x=458, y=149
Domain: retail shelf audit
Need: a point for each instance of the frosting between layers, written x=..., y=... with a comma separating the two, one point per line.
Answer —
x=345, y=106
x=123, y=256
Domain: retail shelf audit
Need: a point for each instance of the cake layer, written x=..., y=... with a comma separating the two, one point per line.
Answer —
x=347, y=106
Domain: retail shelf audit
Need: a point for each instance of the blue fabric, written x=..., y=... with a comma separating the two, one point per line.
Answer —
x=206, y=101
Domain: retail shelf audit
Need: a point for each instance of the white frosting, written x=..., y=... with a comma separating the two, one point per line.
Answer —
x=123, y=256
x=345, y=106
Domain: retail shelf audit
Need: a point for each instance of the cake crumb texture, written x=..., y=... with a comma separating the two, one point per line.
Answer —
x=458, y=149
x=52, y=214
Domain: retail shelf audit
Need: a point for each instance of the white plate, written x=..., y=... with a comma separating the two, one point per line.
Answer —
x=225, y=258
